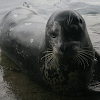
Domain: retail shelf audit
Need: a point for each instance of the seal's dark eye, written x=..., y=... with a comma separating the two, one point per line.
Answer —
x=80, y=21
x=53, y=35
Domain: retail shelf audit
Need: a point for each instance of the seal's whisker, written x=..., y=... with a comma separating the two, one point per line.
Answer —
x=47, y=52
x=46, y=55
x=86, y=56
x=71, y=21
x=82, y=60
x=48, y=62
x=85, y=59
x=51, y=61
x=49, y=49
x=68, y=20
x=51, y=43
x=55, y=61
x=87, y=53
x=46, y=58
x=78, y=56
x=77, y=59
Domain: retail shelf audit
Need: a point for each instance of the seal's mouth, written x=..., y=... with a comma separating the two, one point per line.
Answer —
x=80, y=56
x=66, y=52
x=54, y=58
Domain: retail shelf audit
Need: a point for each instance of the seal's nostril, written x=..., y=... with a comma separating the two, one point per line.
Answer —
x=62, y=50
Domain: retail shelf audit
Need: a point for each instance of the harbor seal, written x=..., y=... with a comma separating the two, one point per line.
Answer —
x=58, y=55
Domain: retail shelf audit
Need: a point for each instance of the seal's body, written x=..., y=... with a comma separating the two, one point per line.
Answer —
x=57, y=55
x=22, y=34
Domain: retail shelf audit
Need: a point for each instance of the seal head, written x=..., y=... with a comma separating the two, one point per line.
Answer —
x=69, y=54
x=67, y=36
